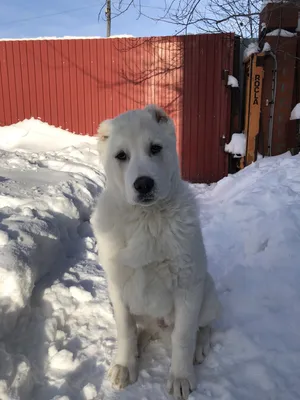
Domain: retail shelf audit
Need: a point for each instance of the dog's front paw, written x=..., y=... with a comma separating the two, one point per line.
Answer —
x=181, y=387
x=121, y=376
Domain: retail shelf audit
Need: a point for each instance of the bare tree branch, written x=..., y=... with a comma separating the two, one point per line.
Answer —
x=239, y=16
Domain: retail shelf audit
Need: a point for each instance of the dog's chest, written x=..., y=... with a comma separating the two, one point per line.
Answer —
x=149, y=291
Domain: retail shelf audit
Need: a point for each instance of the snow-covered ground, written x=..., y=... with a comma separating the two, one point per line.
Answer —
x=57, y=338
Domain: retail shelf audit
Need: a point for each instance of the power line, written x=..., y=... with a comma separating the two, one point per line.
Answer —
x=49, y=15
x=145, y=6
x=16, y=21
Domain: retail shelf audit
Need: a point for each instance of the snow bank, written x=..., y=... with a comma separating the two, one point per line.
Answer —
x=232, y=81
x=64, y=338
x=252, y=234
x=281, y=32
x=48, y=182
x=237, y=145
x=26, y=135
x=295, y=114
x=39, y=202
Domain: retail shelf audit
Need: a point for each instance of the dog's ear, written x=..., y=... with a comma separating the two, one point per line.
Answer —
x=103, y=131
x=157, y=113
x=161, y=117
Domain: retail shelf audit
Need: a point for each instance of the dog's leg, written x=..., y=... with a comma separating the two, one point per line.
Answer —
x=202, y=344
x=187, y=307
x=144, y=338
x=124, y=370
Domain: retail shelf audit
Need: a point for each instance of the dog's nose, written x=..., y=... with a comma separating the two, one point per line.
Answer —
x=144, y=184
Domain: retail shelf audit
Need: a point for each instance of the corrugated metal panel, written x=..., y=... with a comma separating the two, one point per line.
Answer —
x=206, y=106
x=76, y=84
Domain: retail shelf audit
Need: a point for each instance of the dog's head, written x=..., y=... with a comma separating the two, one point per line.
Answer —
x=138, y=151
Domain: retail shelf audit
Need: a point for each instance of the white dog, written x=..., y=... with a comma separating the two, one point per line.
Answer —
x=151, y=248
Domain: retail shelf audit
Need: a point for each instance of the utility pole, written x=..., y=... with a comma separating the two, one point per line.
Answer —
x=108, y=17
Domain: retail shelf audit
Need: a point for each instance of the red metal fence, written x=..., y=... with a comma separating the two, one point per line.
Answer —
x=78, y=83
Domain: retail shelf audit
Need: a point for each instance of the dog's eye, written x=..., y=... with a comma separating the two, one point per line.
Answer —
x=155, y=149
x=122, y=156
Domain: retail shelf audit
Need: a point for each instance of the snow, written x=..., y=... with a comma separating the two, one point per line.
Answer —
x=49, y=179
x=252, y=48
x=281, y=32
x=237, y=144
x=125, y=35
x=295, y=114
x=61, y=336
x=266, y=47
x=89, y=392
x=232, y=81
x=27, y=134
x=264, y=3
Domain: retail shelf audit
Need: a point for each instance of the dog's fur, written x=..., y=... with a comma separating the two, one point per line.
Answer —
x=151, y=247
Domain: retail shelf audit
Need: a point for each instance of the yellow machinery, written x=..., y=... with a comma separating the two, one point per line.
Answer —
x=254, y=75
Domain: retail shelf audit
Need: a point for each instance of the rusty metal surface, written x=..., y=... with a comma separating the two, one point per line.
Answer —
x=78, y=83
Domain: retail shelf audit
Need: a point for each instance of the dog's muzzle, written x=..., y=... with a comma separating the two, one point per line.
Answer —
x=145, y=186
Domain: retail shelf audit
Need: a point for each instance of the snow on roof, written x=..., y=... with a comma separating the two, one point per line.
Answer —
x=281, y=32
x=67, y=38
x=264, y=3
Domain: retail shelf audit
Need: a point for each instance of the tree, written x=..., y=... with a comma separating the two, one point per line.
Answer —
x=239, y=16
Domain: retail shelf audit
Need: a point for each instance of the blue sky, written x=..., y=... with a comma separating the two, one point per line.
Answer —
x=20, y=19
